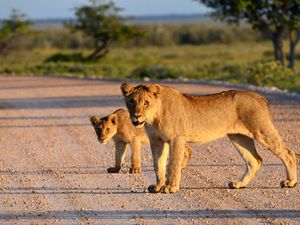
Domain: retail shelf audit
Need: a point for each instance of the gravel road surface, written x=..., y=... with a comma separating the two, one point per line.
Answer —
x=53, y=170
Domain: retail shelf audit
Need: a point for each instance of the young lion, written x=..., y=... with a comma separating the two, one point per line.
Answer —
x=118, y=126
x=175, y=118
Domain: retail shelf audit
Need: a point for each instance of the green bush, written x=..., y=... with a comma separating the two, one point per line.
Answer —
x=200, y=33
x=52, y=38
x=219, y=71
x=269, y=74
x=157, y=35
x=155, y=72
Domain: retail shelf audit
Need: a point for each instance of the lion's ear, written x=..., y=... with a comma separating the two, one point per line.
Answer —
x=94, y=120
x=113, y=119
x=126, y=89
x=154, y=89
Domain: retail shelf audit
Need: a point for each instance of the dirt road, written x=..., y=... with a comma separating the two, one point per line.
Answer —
x=53, y=170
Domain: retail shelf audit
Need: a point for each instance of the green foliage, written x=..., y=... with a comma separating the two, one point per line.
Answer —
x=262, y=15
x=155, y=72
x=62, y=57
x=195, y=34
x=12, y=31
x=269, y=74
x=225, y=62
x=101, y=22
x=274, y=17
x=230, y=72
x=52, y=37
x=157, y=35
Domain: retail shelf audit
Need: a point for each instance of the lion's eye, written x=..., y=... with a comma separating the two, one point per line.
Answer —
x=146, y=103
x=107, y=130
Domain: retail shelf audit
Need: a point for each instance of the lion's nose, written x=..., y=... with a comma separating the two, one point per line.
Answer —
x=137, y=115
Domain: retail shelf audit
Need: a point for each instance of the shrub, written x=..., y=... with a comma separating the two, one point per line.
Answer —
x=269, y=74
x=61, y=57
x=155, y=72
x=12, y=31
x=157, y=35
x=212, y=33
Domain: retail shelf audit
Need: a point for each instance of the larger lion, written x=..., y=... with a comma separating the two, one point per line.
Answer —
x=173, y=118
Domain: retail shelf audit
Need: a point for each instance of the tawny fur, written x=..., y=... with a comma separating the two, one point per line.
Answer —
x=118, y=126
x=173, y=118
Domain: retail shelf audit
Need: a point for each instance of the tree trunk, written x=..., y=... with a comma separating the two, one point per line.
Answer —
x=294, y=37
x=99, y=53
x=100, y=50
x=277, y=38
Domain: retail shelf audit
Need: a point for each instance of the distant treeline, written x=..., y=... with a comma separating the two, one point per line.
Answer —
x=155, y=35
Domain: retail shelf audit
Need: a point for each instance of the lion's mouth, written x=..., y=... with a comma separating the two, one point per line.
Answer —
x=138, y=124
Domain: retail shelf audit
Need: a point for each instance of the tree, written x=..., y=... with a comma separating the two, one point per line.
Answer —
x=294, y=32
x=275, y=17
x=12, y=30
x=103, y=24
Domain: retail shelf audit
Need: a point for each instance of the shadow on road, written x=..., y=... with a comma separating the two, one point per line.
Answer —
x=99, y=170
x=155, y=214
x=42, y=117
x=66, y=191
x=53, y=82
x=62, y=102
x=47, y=125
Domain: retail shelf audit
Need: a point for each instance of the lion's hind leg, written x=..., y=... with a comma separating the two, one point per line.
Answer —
x=271, y=140
x=246, y=147
x=187, y=156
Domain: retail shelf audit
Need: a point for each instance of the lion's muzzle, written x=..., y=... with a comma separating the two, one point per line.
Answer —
x=136, y=120
x=138, y=124
x=102, y=140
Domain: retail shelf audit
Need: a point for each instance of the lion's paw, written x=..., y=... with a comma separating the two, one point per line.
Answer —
x=235, y=185
x=288, y=184
x=167, y=189
x=113, y=170
x=153, y=188
x=135, y=170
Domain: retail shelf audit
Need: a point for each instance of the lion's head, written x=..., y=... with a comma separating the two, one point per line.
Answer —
x=105, y=127
x=142, y=102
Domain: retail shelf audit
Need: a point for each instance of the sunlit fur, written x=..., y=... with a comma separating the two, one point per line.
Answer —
x=173, y=118
x=117, y=126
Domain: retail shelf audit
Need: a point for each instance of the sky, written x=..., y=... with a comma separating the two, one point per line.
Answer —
x=48, y=9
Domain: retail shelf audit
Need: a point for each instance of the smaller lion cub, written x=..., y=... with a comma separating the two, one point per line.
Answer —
x=118, y=126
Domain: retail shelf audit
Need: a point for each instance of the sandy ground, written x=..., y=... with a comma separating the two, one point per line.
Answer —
x=53, y=170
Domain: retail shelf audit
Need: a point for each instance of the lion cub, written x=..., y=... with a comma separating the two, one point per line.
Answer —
x=118, y=126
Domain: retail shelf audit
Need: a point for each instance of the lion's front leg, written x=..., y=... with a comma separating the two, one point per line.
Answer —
x=177, y=149
x=119, y=156
x=135, y=156
x=160, y=152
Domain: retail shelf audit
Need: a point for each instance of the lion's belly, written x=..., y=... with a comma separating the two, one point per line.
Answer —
x=204, y=137
x=204, y=134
